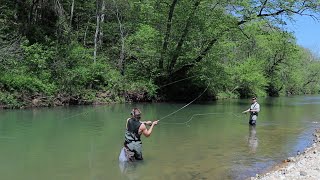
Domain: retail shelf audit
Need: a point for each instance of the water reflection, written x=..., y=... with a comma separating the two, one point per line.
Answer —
x=129, y=169
x=252, y=139
x=70, y=144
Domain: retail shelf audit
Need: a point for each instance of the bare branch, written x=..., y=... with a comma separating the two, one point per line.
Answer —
x=243, y=32
x=272, y=14
x=263, y=6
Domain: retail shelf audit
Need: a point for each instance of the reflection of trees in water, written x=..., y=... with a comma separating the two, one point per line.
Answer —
x=252, y=139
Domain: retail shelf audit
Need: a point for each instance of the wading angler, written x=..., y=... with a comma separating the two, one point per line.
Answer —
x=254, y=111
x=132, y=149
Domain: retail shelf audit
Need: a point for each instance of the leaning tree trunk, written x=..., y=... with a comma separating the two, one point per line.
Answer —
x=167, y=33
x=185, y=32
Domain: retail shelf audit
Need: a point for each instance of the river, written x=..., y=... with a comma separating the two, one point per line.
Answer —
x=201, y=141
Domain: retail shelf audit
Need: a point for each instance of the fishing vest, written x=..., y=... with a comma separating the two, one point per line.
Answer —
x=252, y=108
x=132, y=132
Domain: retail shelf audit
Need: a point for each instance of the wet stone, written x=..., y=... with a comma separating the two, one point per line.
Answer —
x=290, y=159
x=303, y=173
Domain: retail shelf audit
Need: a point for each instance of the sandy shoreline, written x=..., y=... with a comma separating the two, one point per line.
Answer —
x=305, y=165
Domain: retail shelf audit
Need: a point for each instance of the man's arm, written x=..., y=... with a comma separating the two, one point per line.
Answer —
x=146, y=122
x=246, y=110
x=147, y=132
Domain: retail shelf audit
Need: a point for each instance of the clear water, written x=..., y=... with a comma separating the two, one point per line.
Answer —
x=83, y=143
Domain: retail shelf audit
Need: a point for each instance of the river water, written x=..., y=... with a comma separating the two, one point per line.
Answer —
x=202, y=141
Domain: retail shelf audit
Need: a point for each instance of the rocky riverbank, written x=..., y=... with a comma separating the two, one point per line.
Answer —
x=306, y=165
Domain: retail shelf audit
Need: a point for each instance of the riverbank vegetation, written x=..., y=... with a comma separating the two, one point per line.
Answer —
x=56, y=52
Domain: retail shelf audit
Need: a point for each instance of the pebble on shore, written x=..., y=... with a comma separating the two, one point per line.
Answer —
x=305, y=165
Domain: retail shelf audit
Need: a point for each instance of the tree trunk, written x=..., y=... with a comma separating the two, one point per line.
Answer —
x=185, y=32
x=71, y=14
x=167, y=34
x=103, y=7
x=32, y=7
x=122, y=36
x=63, y=24
x=59, y=9
x=85, y=36
x=97, y=32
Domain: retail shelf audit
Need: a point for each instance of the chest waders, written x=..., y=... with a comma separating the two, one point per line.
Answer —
x=253, y=115
x=132, y=143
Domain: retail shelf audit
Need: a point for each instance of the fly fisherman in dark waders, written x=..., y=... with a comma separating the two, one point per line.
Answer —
x=254, y=111
x=132, y=149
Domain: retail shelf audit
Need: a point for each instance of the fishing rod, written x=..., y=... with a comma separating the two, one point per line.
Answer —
x=203, y=114
x=191, y=118
x=79, y=114
x=178, y=81
x=89, y=111
x=174, y=112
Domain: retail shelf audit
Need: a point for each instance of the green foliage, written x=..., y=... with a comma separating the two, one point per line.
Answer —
x=210, y=73
x=238, y=48
x=22, y=83
x=36, y=58
x=227, y=95
x=140, y=90
x=8, y=100
x=77, y=55
x=248, y=78
x=94, y=76
x=143, y=48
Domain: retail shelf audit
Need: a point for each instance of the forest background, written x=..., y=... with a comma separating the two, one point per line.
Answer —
x=71, y=52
